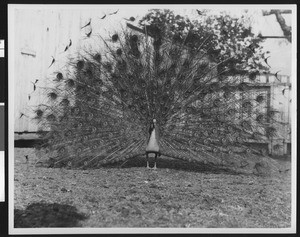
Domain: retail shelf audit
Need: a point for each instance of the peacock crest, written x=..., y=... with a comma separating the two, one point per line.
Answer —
x=98, y=108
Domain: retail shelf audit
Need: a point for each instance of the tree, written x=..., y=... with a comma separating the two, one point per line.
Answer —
x=287, y=30
x=227, y=39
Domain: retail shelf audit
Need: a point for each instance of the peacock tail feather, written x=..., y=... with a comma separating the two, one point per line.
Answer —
x=98, y=109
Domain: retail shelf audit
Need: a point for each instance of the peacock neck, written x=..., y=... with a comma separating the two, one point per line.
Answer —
x=152, y=142
x=153, y=135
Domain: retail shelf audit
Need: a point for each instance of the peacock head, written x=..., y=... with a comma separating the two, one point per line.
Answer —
x=153, y=124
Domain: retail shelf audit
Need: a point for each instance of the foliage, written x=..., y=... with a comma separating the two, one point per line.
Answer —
x=231, y=39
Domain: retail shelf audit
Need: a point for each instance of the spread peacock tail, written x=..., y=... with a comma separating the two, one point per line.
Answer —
x=98, y=109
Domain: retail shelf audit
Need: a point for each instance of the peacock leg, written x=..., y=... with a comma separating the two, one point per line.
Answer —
x=155, y=162
x=148, y=167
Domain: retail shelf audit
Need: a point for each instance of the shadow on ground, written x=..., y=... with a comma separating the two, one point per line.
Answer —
x=47, y=215
x=169, y=163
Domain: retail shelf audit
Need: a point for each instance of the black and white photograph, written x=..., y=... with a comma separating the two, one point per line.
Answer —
x=152, y=118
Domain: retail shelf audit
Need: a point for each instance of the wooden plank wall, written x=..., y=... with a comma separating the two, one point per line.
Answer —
x=41, y=34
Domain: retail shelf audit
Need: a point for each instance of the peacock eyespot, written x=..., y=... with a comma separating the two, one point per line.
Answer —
x=39, y=113
x=52, y=95
x=248, y=151
x=259, y=118
x=51, y=118
x=243, y=86
x=246, y=125
x=59, y=76
x=217, y=102
x=70, y=83
x=98, y=57
x=239, y=139
x=271, y=113
x=76, y=110
x=65, y=102
x=247, y=105
x=78, y=150
x=252, y=75
x=115, y=37
x=224, y=141
x=89, y=73
x=62, y=150
x=85, y=138
x=134, y=38
x=108, y=67
x=80, y=89
x=276, y=147
x=260, y=98
x=80, y=64
x=270, y=131
x=263, y=151
x=119, y=52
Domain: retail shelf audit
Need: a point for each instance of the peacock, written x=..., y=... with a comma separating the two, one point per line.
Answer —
x=144, y=92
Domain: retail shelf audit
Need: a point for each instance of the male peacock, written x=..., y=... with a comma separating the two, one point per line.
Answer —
x=98, y=110
x=153, y=146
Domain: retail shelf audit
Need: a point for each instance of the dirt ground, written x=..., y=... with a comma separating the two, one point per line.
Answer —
x=175, y=195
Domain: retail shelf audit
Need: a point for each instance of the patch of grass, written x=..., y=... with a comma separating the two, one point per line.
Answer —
x=176, y=195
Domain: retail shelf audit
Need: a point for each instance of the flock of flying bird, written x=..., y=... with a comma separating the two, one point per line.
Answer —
x=251, y=47
x=132, y=19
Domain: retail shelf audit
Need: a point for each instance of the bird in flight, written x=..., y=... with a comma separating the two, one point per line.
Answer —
x=89, y=23
x=89, y=34
x=68, y=46
x=113, y=13
x=103, y=17
x=283, y=91
x=266, y=61
x=199, y=12
x=276, y=75
x=130, y=19
x=34, y=84
x=22, y=114
x=53, y=61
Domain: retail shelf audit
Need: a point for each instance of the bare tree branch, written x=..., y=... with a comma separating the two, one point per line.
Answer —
x=267, y=13
x=285, y=28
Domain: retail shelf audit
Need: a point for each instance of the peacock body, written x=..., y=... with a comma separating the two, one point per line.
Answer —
x=98, y=110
